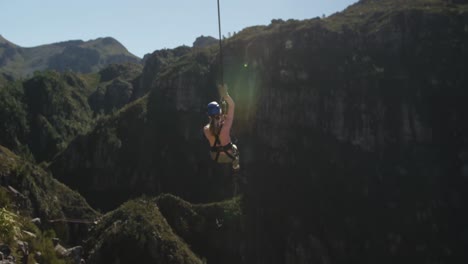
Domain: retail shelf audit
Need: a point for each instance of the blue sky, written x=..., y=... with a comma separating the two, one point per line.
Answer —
x=144, y=26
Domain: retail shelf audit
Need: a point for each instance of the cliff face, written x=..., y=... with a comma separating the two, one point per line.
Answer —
x=362, y=135
x=118, y=85
x=351, y=131
x=155, y=64
x=365, y=128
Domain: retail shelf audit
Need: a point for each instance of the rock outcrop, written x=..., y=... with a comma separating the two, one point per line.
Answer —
x=204, y=41
x=117, y=87
x=136, y=232
x=155, y=65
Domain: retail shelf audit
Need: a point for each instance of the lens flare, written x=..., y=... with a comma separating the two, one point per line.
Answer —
x=245, y=85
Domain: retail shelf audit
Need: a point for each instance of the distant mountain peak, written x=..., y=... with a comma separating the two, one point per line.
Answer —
x=108, y=40
x=105, y=41
x=75, y=55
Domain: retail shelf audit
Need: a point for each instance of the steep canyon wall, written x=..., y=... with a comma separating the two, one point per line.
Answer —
x=353, y=139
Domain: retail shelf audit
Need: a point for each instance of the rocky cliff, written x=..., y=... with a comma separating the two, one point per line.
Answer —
x=351, y=130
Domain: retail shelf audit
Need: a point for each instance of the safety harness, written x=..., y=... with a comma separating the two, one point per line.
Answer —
x=219, y=149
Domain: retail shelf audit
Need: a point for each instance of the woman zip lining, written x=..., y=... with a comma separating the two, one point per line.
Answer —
x=218, y=130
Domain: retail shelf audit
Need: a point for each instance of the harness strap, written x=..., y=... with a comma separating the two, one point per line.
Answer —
x=219, y=149
x=217, y=141
x=225, y=149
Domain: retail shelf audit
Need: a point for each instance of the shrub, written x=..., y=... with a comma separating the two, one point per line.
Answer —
x=9, y=226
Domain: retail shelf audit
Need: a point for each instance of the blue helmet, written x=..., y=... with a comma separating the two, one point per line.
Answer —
x=213, y=109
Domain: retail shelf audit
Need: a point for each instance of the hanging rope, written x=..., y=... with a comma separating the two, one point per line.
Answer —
x=220, y=46
x=223, y=103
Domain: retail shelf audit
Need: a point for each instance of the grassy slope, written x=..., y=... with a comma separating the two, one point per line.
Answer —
x=40, y=195
x=45, y=197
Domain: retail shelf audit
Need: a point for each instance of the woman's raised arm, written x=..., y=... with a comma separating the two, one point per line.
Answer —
x=222, y=89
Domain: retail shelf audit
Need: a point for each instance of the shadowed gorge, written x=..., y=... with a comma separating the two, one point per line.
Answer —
x=351, y=128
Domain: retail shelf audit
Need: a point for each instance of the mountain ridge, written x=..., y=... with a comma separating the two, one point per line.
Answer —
x=72, y=55
x=6, y=41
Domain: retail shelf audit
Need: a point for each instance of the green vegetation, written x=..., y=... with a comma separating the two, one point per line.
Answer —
x=9, y=226
x=14, y=126
x=49, y=198
x=58, y=111
x=42, y=114
x=14, y=228
x=43, y=243
x=116, y=87
x=39, y=194
x=110, y=49
x=248, y=33
x=210, y=229
x=108, y=144
x=4, y=197
x=32, y=193
x=380, y=11
x=126, y=71
x=196, y=62
x=141, y=234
